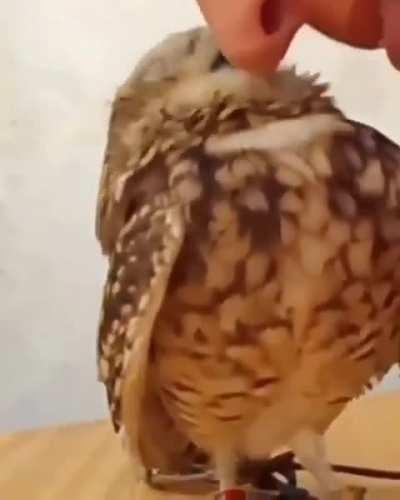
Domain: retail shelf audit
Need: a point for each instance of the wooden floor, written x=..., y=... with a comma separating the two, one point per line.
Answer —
x=77, y=462
x=85, y=461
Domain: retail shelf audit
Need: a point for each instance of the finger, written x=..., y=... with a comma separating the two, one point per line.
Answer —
x=356, y=22
x=254, y=34
x=391, y=30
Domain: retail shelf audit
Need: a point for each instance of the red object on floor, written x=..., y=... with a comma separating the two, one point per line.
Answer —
x=235, y=494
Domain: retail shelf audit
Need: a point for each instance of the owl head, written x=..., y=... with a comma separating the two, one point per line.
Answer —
x=187, y=68
x=181, y=55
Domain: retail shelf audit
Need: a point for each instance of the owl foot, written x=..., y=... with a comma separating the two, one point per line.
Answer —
x=309, y=449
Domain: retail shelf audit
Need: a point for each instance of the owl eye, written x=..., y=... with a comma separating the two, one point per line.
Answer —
x=219, y=61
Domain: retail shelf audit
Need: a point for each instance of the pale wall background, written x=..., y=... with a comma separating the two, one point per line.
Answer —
x=60, y=64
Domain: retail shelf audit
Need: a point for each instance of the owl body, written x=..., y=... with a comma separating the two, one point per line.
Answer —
x=278, y=311
x=254, y=243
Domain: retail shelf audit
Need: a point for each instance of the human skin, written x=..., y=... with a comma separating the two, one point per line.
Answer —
x=255, y=34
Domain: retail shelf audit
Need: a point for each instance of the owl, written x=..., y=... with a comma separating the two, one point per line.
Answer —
x=253, y=241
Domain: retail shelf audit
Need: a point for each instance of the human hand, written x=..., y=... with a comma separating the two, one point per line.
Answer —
x=255, y=34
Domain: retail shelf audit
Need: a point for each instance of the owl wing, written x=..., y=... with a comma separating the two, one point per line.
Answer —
x=141, y=229
x=130, y=150
x=145, y=253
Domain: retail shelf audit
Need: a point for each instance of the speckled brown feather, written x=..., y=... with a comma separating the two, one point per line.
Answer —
x=254, y=245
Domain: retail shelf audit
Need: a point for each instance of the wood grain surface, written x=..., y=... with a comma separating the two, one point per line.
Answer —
x=85, y=461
